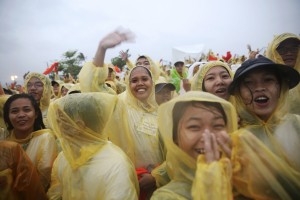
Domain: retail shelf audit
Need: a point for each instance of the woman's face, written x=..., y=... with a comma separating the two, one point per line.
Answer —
x=216, y=81
x=140, y=83
x=194, y=122
x=35, y=87
x=260, y=91
x=288, y=50
x=22, y=115
x=143, y=62
x=64, y=91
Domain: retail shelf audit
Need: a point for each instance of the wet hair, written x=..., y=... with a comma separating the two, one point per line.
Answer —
x=180, y=108
x=38, y=122
x=148, y=71
x=271, y=71
x=142, y=56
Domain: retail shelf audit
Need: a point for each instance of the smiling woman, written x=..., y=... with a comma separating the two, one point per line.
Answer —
x=23, y=119
x=195, y=127
x=265, y=148
x=133, y=125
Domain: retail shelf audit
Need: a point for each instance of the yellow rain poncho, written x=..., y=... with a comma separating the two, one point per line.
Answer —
x=90, y=167
x=3, y=99
x=41, y=148
x=190, y=178
x=133, y=126
x=92, y=79
x=19, y=178
x=294, y=94
x=198, y=78
x=45, y=100
x=265, y=153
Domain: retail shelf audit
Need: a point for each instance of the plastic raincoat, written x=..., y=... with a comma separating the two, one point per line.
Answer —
x=198, y=78
x=272, y=54
x=190, y=178
x=265, y=153
x=41, y=148
x=18, y=176
x=3, y=99
x=133, y=126
x=90, y=167
x=176, y=78
x=45, y=100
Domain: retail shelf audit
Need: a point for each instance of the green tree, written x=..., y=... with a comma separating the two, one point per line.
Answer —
x=117, y=61
x=71, y=62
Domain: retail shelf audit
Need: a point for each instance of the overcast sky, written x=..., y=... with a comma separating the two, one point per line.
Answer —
x=36, y=32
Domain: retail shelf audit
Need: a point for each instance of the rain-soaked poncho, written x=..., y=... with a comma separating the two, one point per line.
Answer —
x=176, y=78
x=41, y=148
x=190, y=178
x=198, y=78
x=294, y=94
x=92, y=79
x=133, y=126
x=90, y=167
x=19, y=178
x=266, y=153
x=45, y=100
x=3, y=99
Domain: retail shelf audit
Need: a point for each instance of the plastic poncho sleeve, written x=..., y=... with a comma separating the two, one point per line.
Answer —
x=258, y=173
x=212, y=181
x=92, y=79
x=129, y=64
x=55, y=191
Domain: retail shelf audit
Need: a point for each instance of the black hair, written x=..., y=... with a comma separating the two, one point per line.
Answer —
x=38, y=123
x=180, y=108
x=148, y=71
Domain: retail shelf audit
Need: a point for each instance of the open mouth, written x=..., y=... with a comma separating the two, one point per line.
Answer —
x=221, y=91
x=261, y=99
x=141, y=90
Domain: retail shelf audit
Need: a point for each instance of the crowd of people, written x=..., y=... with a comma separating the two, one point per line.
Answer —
x=207, y=132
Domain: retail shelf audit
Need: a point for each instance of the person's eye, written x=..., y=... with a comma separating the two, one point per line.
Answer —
x=147, y=63
x=133, y=81
x=39, y=84
x=209, y=78
x=14, y=111
x=193, y=127
x=225, y=76
x=219, y=126
x=269, y=79
x=145, y=78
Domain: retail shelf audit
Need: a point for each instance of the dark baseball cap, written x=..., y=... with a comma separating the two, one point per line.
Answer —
x=289, y=74
x=160, y=86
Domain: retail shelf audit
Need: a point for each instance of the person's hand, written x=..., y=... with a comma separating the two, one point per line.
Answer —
x=115, y=38
x=124, y=55
x=212, y=143
x=147, y=182
x=252, y=54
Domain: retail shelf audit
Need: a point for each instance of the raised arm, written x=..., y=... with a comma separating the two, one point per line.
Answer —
x=110, y=41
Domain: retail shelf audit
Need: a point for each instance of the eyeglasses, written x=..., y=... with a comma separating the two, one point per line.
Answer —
x=285, y=50
x=36, y=85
